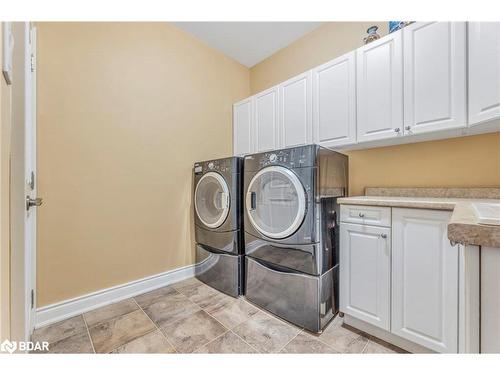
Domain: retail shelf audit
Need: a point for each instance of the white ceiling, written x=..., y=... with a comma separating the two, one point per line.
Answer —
x=248, y=42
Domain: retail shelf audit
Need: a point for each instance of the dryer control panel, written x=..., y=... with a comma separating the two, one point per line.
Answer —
x=297, y=157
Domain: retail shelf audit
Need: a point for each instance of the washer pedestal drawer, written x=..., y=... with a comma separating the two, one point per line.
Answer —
x=221, y=271
x=307, y=301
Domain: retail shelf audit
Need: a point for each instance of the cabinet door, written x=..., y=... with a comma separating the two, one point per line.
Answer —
x=296, y=111
x=365, y=262
x=334, y=102
x=484, y=71
x=243, y=133
x=266, y=120
x=424, y=279
x=380, y=88
x=434, y=76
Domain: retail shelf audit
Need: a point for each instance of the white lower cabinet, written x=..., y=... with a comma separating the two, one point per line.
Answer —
x=403, y=278
x=424, y=279
x=365, y=273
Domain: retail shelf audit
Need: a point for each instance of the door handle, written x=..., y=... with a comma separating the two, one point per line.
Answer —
x=253, y=200
x=30, y=202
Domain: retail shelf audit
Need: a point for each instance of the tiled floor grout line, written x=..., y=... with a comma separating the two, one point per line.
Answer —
x=215, y=338
x=289, y=341
x=202, y=309
x=209, y=314
x=88, y=333
x=250, y=345
x=366, y=346
x=158, y=328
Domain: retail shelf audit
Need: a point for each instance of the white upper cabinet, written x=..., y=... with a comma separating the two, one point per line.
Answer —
x=242, y=127
x=434, y=76
x=296, y=111
x=365, y=273
x=334, y=102
x=484, y=71
x=266, y=120
x=412, y=85
x=424, y=279
x=380, y=88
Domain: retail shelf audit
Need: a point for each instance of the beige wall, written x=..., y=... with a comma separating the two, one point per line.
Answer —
x=124, y=110
x=5, y=124
x=468, y=161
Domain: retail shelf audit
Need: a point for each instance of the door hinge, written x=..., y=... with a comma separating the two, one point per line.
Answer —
x=32, y=298
x=31, y=182
x=32, y=62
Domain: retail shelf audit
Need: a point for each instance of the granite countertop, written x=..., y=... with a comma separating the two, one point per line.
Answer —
x=463, y=227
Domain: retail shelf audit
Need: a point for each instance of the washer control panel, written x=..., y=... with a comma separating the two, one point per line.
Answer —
x=229, y=165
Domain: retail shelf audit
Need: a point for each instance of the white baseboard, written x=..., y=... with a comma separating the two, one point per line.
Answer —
x=75, y=306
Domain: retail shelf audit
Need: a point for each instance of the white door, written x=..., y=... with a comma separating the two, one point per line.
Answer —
x=30, y=169
x=380, y=88
x=266, y=131
x=424, y=279
x=243, y=133
x=22, y=184
x=296, y=111
x=365, y=273
x=434, y=76
x=334, y=101
x=484, y=71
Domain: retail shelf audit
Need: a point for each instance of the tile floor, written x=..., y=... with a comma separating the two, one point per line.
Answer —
x=191, y=317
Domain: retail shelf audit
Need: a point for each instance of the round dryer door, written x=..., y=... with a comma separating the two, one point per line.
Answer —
x=276, y=202
x=212, y=200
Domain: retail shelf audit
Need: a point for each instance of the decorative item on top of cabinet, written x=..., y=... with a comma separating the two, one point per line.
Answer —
x=379, y=77
x=424, y=279
x=266, y=120
x=398, y=25
x=434, y=76
x=243, y=134
x=484, y=71
x=334, y=102
x=372, y=35
x=296, y=110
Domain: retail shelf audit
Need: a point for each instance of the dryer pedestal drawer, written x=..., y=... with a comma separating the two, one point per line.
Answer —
x=228, y=242
x=305, y=300
x=220, y=271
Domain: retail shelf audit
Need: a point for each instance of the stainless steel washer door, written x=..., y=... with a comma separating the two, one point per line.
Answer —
x=276, y=202
x=212, y=200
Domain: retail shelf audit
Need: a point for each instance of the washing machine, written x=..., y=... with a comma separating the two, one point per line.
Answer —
x=218, y=224
x=291, y=232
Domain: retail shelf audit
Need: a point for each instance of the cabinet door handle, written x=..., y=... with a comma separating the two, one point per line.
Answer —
x=361, y=215
x=397, y=130
x=383, y=235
